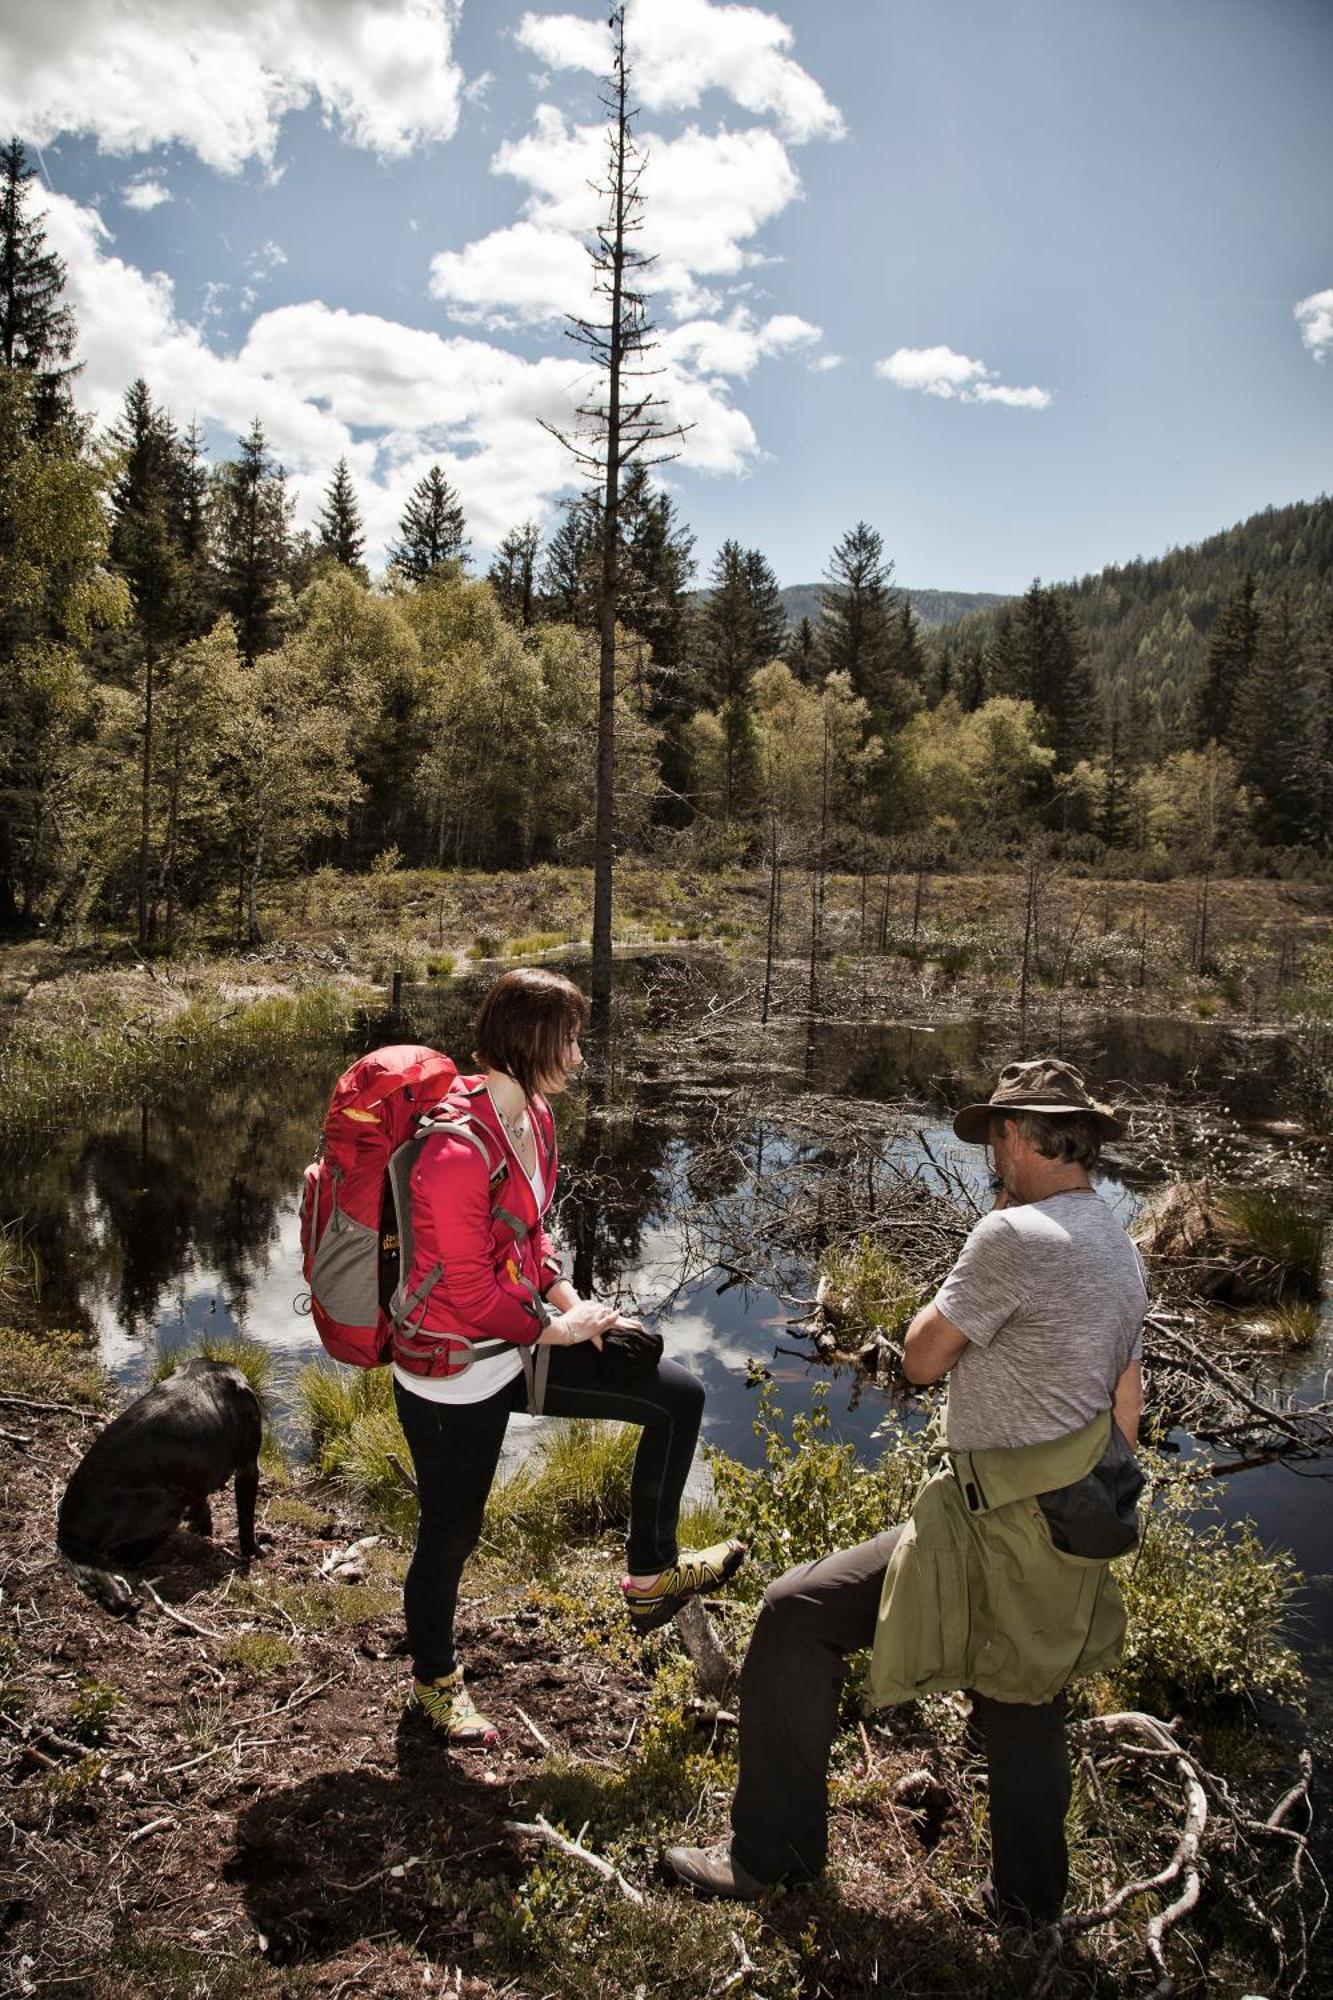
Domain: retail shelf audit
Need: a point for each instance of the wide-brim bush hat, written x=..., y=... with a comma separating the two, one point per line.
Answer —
x=1047, y=1085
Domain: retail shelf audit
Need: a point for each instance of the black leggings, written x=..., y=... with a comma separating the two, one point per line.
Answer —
x=456, y=1447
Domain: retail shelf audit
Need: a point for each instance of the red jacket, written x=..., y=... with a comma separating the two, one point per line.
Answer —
x=482, y=1258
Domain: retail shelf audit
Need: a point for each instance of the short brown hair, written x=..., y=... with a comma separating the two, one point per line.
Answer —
x=526, y=1021
x=1069, y=1136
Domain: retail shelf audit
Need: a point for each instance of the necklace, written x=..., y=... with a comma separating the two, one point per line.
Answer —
x=517, y=1128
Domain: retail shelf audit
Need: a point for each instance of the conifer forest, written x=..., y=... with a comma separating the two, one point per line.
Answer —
x=200, y=701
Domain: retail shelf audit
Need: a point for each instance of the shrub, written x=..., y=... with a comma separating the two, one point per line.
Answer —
x=812, y=1494
x=1206, y=1608
x=92, y=1709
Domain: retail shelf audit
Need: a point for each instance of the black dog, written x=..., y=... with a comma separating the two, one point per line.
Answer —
x=155, y=1466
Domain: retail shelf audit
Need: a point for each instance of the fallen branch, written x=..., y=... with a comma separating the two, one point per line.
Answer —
x=541, y=1829
x=532, y=1729
x=178, y=1617
x=65, y=1409
x=1182, y=1868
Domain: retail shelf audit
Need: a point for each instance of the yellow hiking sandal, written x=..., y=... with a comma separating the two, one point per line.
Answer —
x=696, y=1570
x=450, y=1709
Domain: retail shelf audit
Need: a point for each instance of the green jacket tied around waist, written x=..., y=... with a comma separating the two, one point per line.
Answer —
x=977, y=1595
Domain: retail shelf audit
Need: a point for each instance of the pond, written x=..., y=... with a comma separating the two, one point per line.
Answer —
x=179, y=1217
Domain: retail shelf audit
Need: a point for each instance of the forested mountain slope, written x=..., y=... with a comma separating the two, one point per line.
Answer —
x=1160, y=612
x=933, y=608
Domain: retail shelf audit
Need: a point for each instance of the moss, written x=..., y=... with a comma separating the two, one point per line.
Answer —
x=255, y=1654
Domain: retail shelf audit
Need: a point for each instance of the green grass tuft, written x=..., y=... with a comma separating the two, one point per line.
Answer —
x=572, y=1487
x=255, y=1362
x=866, y=1288
x=1277, y=1227
x=1296, y=1325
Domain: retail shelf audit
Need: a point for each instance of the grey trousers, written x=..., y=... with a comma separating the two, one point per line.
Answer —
x=811, y=1619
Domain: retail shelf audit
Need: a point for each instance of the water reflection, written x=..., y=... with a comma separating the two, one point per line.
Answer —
x=181, y=1214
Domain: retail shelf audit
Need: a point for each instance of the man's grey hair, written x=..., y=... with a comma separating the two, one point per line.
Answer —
x=1069, y=1136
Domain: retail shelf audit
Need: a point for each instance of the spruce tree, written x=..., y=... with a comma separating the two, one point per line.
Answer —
x=149, y=502
x=1055, y=675
x=1001, y=665
x=801, y=652
x=568, y=585
x=767, y=611
x=513, y=574
x=857, y=635
x=656, y=563
x=253, y=543
x=1229, y=668
x=727, y=628
x=970, y=678
x=1320, y=683
x=342, y=537
x=36, y=325
x=1276, y=719
x=432, y=530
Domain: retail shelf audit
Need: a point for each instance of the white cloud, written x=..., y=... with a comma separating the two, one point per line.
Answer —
x=680, y=49
x=393, y=399
x=939, y=371
x=734, y=345
x=1314, y=317
x=142, y=73
x=523, y=273
x=822, y=363
x=708, y=195
x=145, y=194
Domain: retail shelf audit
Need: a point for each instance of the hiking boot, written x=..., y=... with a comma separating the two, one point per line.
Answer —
x=694, y=1571
x=714, y=1871
x=450, y=1709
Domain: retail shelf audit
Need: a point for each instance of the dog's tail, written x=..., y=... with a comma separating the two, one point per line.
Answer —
x=104, y=1586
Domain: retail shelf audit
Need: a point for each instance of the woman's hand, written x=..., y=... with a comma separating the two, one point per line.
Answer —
x=584, y=1321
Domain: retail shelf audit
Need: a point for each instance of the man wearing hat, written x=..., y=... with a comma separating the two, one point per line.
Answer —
x=999, y=1583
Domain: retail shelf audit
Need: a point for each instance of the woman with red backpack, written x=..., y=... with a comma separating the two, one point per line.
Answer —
x=486, y=1324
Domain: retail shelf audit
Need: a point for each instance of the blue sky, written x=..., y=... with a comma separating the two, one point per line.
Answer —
x=1031, y=285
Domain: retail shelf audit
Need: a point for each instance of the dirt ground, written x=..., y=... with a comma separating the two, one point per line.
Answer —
x=270, y=1818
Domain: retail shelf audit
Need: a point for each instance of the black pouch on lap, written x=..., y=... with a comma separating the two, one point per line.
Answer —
x=628, y=1351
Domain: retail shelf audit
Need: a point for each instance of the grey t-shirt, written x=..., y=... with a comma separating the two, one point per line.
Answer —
x=1051, y=1296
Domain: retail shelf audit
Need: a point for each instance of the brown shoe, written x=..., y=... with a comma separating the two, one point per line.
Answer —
x=713, y=1871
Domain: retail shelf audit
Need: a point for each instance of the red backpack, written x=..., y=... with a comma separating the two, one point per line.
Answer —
x=350, y=1229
